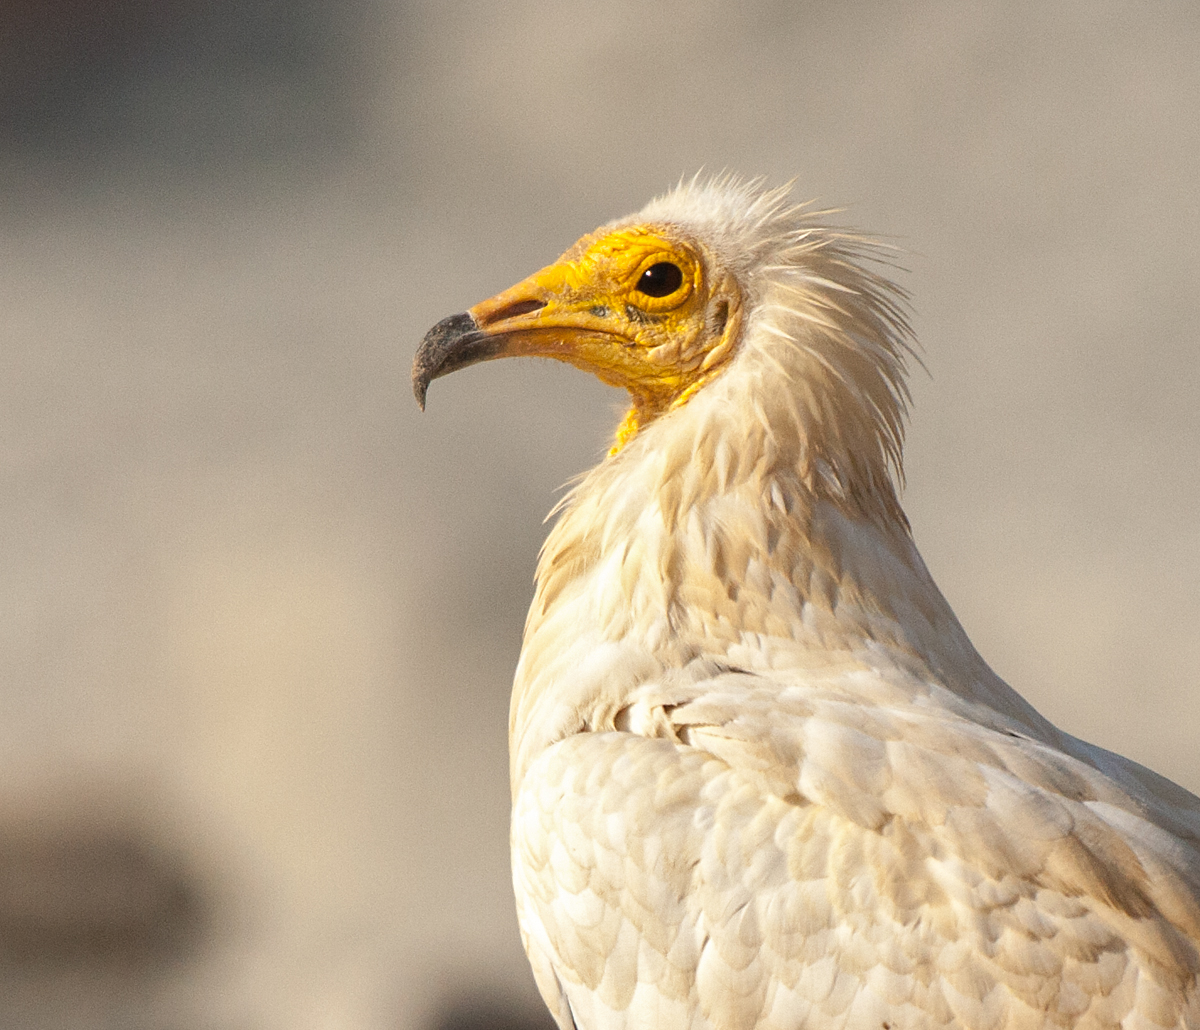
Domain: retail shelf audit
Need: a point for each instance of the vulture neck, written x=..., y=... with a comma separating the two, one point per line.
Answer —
x=733, y=533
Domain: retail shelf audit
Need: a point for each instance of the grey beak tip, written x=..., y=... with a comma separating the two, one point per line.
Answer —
x=453, y=343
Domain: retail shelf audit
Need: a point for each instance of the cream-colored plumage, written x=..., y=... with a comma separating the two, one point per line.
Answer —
x=761, y=779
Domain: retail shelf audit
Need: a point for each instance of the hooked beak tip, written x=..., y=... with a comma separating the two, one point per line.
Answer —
x=453, y=343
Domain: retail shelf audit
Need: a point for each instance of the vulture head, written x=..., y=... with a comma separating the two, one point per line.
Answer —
x=727, y=291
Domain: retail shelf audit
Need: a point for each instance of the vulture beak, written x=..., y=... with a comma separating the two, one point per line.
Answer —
x=453, y=343
x=507, y=325
x=552, y=314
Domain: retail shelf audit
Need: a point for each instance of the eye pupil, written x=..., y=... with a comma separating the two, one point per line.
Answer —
x=660, y=280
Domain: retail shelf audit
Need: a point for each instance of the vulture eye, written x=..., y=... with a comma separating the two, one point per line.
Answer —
x=660, y=280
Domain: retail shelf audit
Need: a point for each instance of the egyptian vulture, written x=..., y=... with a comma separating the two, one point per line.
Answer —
x=761, y=779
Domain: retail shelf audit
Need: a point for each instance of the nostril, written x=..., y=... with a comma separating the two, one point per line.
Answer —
x=521, y=307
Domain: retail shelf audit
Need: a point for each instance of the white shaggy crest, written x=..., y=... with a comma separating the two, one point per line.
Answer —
x=822, y=318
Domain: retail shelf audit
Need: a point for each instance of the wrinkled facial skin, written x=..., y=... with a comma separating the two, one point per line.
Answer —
x=638, y=307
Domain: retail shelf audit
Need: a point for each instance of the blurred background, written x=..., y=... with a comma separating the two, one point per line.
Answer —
x=258, y=616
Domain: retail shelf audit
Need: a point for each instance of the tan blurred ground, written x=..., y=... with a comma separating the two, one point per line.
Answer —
x=258, y=616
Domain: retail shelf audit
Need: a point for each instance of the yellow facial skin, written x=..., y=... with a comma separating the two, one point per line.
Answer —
x=596, y=308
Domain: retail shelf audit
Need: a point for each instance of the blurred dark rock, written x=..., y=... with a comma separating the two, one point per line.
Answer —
x=183, y=82
x=483, y=1014
x=82, y=887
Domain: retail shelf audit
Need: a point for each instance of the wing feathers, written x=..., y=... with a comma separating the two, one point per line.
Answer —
x=811, y=858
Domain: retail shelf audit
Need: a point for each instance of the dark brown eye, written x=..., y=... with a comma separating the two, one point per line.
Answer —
x=660, y=280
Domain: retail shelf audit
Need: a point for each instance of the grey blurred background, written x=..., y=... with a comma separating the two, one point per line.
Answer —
x=258, y=616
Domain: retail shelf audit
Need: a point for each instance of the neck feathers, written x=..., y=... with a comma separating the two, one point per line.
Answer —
x=802, y=429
